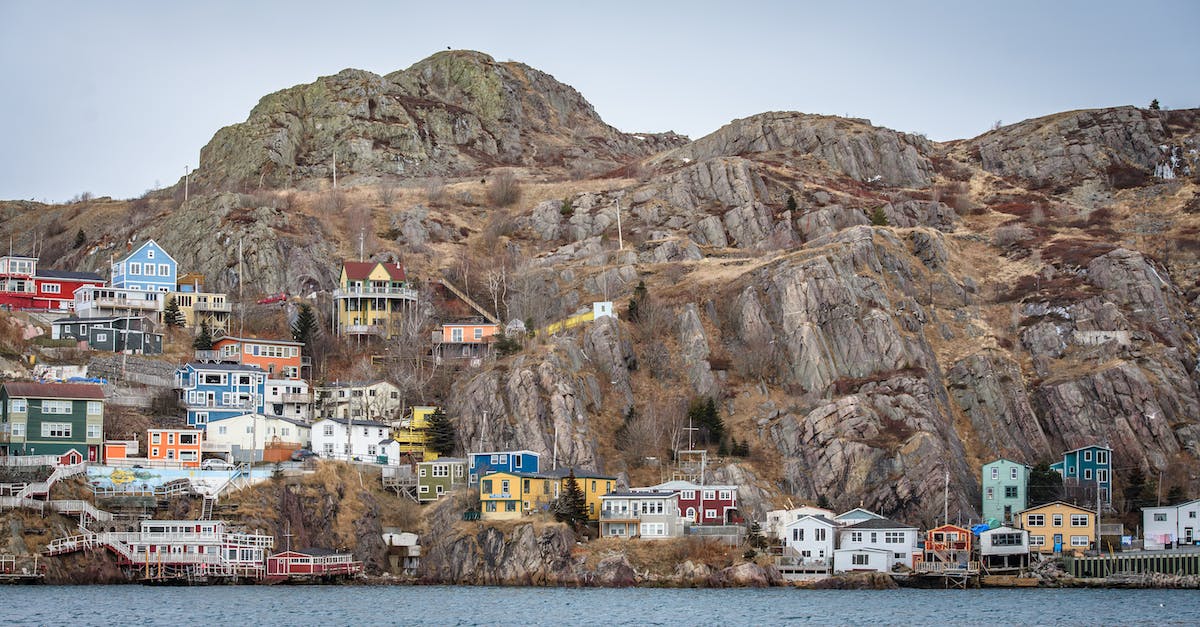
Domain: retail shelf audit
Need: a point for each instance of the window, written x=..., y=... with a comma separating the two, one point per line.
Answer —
x=709, y=495
x=819, y=534
x=1087, y=456
x=860, y=559
x=1087, y=474
x=1056, y=520
x=1192, y=514
x=101, y=337
x=1010, y=491
x=688, y=495
x=798, y=535
x=893, y=537
x=990, y=493
x=150, y=253
x=95, y=408
x=1102, y=476
x=17, y=406
x=56, y=407
x=456, y=335
x=371, y=449
x=164, y=270
x=856, y=536
x=486, y=488
x=710, y=514
x=221, y=430
x=18, y=429
x=726, y=495
x=135, y=268
x=995, y=474
x=153, y=452
x=1035, y=520
x=478, y=334
x=1012, y=472
x=150, y=269
x=510, y=506
x=1037, y=540
x=156, y=438
x=1079, y=541
x=170, y=453
x=1161, y=517
x=1079, y=520
x=504, y=486
x=56, y=429
x=170, y=438
x=1102, y=457
x=51, y=288
x=328, y=430
x=1006, y=539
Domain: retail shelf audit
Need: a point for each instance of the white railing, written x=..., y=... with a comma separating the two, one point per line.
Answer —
x=937, y=567
x=28, y=460
x=363, y=329
x=352, y=292
x=83, y=508
x=218, y=307
x=125, y=303
x=219, y=405
x=296, y=398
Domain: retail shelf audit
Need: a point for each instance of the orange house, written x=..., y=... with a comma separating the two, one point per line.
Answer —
x=280, y=358
x=947, y=543
x=174, y=445
x=464, y=340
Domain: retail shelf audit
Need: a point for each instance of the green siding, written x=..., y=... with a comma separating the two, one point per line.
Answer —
x=36, y=444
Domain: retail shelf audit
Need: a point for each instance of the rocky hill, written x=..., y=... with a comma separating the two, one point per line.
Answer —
x=869, y=309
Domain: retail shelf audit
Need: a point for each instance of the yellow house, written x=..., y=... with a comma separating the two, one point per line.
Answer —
x=372, y=299
x=594, y=486
x=1072, y=528
x=411, y=434
x=509, y=495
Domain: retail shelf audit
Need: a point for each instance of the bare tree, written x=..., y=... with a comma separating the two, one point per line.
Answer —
x=504, y=189
x=497, y=283
x=435, y=190
x=386, y=193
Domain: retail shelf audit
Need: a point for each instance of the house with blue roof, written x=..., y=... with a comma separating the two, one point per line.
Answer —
x=479, y=464
x=147, y=268
x=213, y=392
x=1085, y=471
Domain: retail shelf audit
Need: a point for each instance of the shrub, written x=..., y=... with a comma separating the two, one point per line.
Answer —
x=504, y=190
x=435, y=190
x=567, y=210
x=386, y=193
x=879, y=217
x=1010, y=234
x=1124, y=176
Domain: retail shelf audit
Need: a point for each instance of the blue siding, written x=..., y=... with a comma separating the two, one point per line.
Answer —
x=149, y=268
x=223, y=397
x=503, y=461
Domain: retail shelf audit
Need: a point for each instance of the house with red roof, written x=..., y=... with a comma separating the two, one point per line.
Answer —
x=25, y=286
x=65, y=420
x=372, y=299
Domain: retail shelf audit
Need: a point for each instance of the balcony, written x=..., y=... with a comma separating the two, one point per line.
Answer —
x=213, y=356
x=385, y=292
x=363, y=329
x=243, y=405
x=301, y=399
x=124, y=303
x=222, y=307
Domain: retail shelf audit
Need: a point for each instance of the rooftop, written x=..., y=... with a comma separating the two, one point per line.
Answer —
x=880, y=523
x=361, y=270
x=67, y=274
x=54, y=390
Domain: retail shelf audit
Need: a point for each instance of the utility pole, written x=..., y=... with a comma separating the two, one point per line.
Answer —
x=554, y=456
x=185, y=183
x=620, y=240
x=241, y=294
x=335, y=168
x=946, y=500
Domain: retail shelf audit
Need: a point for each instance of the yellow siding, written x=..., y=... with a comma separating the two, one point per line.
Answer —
x=593, y=488
x=379, y=274
x=526, y=494
x=1047, y=529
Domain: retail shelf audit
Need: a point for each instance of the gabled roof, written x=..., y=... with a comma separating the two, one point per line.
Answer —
x=67, y=274
x=813, y=517
x=642, y=494
x=260, y=340
x=361, y=270
x=357, y=423
x=880, y=523
x=54, y=390
x=1102, y=447
x=1051, y=503
x=861, y=513
x=563, y=473
x=145, y=244
x=1004, y=459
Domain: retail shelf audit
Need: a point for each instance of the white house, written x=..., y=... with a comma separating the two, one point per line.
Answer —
x=287, y=397
x=897, y=539
x=777, y=519
x=855, y=515
x=650, y=514
x=336, y=438
x=377, y=400
x=1167, y=524
x=243, y=438
x=812, y=539
x=860, y=559
x=1004, y=548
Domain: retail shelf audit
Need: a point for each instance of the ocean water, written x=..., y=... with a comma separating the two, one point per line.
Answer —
x=448, y=605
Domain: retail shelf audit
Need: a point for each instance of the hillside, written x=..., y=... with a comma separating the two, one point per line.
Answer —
x=869, y=308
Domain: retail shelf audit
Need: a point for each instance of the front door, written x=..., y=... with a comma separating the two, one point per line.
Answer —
x=1058, y=543
x=1187, y=535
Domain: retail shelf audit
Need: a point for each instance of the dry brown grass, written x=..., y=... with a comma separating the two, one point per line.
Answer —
x=659, y=557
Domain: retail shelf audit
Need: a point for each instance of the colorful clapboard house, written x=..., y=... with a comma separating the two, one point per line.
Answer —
x=1005, y=489
x=23, y=285
x=1086, y=472
x=410, y=434
x=65, y=420
x=312, y=563
x=949, y=544
x=704, y=504
x=509, y=495
x=594, y=485
x=470, y=340
x=281, y=359
x=372, y=299
x=147, y=268
x=113, y=334
x=502, y=461
x=648, y=514
x=1058, y=527
x=174, y=446
x=435, y=478
x=213, y=392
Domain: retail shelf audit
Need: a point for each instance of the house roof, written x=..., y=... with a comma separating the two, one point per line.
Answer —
x=642, y=494
x=527, y=475
x=815, y=517
x=1002, y=529
x=1175, y=506
x=1099, y=446
x=1004, y=459
x=444, y=460
x=54, y=390
x=262, y=340
x=361, y=270
x=225, y=366
x=145, y=244
x=880, y=523
x=679, y=484
x=867, y=512
x=1052, y=503
x=67, y=274
x=357, y=423
x=523, y=451
x=346, y=385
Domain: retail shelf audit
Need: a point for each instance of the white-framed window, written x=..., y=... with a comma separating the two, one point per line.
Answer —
x=990, y=493
x=1035, y=520
x=371, y=449
x=156, y=438
x=440, y=470
x=860, y=559
x=202, y=418
x=1087, y=456
x=56, y=407
x=423, y=489
x=708, y=495
x=51, y=288
x=1101, y=457
x=1102, y=476
x=101, y=337
x=56, y=429
x=1087, y=474
x=1079, y=541
x=478, y=334
x=893, y=537
x=164, y=270
x=856, y=536
x=1056, y=520
x=1079, y=520
x=1037, y=540
x=170, y=438
x=456, y=334
x=135, y=267
x=688, y=495
x=153, y=452
x=150, y=253
x=18, y=405
x=222, y=430
x=995, y=473
x=95, y=408
x=726, y=495
x=170, y=453
x=1012, y=472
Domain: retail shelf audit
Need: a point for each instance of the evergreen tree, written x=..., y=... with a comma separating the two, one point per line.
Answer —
x=204, y=340
x=572, y=504
x=879, y=217
x=1154, y=105
x=712, y=421
x=441, y=435
x=791, y=203
x=80, y=239
x=171, y=314
x=304, y=329
x=722, y=449
x=755, y=538
x=1045, y=485
x=1134, y=486
x=823, y=502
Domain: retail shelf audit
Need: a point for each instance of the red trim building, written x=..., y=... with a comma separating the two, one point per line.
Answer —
x=314, y=563
x=24, y=286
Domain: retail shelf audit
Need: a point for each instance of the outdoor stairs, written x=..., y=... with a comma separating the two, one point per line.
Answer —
x=206, y=510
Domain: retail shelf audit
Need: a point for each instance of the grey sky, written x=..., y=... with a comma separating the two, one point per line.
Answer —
x=117, y=97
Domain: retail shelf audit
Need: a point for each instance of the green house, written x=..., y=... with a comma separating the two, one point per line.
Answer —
x=435, y=478
x=65, y=420
x=1005, y=489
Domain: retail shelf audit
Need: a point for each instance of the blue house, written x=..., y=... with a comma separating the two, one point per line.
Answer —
x=526, y=462
x=1085, y=471
x=148, y=268
x=213, y=392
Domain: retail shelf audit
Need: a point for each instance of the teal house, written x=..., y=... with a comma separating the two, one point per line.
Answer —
x=1005, y=490
x=64, y=420
x=1085, y=471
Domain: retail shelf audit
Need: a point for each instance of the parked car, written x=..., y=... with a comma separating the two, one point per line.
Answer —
x=302, y=454
x=216, y=464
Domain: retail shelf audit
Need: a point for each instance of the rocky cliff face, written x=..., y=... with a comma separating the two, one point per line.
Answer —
x=453, y=113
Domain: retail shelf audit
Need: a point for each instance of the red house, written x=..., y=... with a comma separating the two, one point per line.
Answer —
x=24, y=286
x=312, y=563
x=704, y=504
